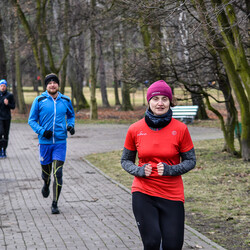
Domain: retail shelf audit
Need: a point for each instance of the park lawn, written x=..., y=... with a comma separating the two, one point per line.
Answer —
x=137, y=98
x=216, y=192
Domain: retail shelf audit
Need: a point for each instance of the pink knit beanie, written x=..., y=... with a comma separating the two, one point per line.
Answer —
x=159, y=88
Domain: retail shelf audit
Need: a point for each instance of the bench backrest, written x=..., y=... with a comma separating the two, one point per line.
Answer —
x=185, y=112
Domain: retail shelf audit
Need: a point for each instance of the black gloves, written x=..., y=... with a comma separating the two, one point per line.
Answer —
x=47, y=134
x=71, y=130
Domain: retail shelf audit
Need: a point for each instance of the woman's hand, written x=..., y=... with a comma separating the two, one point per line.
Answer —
x=148, y=169
x=160, y=168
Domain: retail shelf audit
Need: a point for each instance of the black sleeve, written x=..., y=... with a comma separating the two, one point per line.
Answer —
x=11, y=99
x=128, y=163
x=188, y=163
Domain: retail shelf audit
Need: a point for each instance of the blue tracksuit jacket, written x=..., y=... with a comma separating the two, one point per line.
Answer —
x=49, y=114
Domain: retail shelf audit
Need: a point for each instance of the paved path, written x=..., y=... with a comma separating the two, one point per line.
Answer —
x=95, y=211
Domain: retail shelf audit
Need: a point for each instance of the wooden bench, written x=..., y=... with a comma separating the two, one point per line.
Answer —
x=185, y=113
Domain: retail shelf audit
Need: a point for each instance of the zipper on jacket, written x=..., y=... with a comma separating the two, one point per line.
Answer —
x=54, y=121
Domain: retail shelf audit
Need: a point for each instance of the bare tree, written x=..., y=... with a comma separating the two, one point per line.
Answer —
x=43, y=37
x=126, y=102
x=3, y=68
x=115, y=69
x=76, y=72
x=222, y=32
x=102, y=72
x=20, y=101
x=93, y=102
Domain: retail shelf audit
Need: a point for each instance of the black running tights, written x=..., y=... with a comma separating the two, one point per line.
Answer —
x=160, y=221
x=4, y=133
x=58, y=177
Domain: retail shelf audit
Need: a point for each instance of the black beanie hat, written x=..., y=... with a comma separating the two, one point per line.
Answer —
x=51, y=77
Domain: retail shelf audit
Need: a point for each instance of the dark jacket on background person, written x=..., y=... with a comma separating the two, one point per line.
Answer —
x=5, y=113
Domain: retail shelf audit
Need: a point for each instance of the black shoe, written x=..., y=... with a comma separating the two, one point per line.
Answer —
x=4, y=154
x=54, y=208
x=45, y=190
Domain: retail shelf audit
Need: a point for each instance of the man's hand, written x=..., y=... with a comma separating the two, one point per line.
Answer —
x=47, y=134
x=71, y=130
x=6, y=101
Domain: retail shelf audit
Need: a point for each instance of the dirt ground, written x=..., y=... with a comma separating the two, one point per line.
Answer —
x=112, y=113
x=117, y=114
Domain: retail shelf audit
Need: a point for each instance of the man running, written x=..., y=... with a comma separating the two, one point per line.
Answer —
x=51, y=116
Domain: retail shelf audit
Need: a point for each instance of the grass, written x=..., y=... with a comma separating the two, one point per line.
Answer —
x=136, y=98
x=217, y=195
x=216, y=191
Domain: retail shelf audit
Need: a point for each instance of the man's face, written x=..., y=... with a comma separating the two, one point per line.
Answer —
x=3, y=87
x=52, y=87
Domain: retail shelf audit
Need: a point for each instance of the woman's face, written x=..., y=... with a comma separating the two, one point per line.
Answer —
x=159, y=104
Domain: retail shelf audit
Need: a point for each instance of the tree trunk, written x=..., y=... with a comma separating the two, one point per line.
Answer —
x=239, y=91
x=105, y=102
x=63, y=77
x=12, y=70
x=197, y=99
x=3, y=69
x=229, y=139
x=75, y=77
x=151, y=37
x=72, y=81
x=232, y=114
x=117, y=100
x=79, y=66
x=65, y=45
x=126, y=102
x=93, y=102
x=21, y=103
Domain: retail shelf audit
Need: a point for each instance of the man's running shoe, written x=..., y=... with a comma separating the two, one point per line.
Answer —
x=54, y=208
x=45, y=190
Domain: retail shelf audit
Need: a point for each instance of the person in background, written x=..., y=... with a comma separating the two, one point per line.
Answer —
x=165, y=152
x=51, y=116
x=7, y=102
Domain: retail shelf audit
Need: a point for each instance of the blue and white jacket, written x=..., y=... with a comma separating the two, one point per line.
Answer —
x=49, y=114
